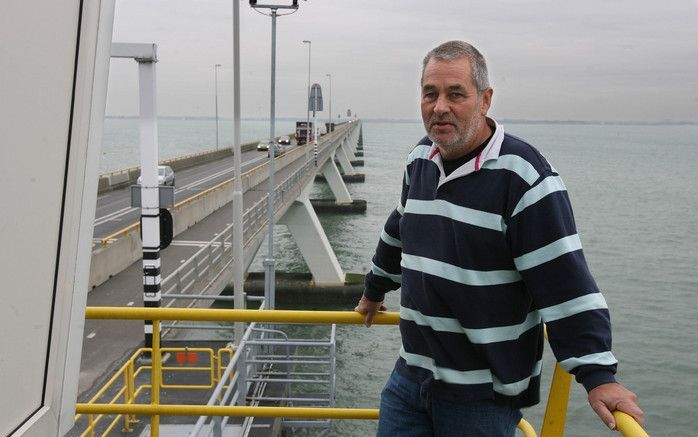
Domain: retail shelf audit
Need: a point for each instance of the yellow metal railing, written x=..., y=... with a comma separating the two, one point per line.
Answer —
x=553, y=422
x=131, y=391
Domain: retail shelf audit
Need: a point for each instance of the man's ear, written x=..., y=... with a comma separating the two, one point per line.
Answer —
x=486, y=101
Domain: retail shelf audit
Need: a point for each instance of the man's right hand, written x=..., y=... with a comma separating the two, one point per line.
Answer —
x=369, y=309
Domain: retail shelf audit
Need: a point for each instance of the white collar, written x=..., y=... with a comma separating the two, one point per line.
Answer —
x=491, y=151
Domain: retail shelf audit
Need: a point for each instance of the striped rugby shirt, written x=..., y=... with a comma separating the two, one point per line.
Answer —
x=483, y=257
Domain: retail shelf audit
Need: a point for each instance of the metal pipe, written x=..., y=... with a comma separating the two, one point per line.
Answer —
x=269, y=274
x=228, y=315
x=238, y=216
x=215, y=73
x=238, y=411
x=329, y=114
x=307, y=101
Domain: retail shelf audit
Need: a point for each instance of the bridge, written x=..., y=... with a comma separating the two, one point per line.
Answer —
x=199, y=264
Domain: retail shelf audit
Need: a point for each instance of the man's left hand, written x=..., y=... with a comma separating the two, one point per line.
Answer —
x=607, y=398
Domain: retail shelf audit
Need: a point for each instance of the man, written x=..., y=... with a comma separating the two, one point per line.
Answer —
x=484, y=248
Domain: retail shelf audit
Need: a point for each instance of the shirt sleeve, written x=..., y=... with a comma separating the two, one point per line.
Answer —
x=547, y=252
x=385, y=274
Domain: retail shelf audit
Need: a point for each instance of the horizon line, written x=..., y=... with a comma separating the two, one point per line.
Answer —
x=415, y=120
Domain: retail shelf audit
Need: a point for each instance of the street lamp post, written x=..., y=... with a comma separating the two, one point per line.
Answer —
x=329, y=114
x=307, y=109
x=215, y=73
x=269, y=261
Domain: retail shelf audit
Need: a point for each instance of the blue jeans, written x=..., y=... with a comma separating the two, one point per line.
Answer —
x=409, y=410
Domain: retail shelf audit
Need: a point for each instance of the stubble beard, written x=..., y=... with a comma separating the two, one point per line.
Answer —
x=460, y=142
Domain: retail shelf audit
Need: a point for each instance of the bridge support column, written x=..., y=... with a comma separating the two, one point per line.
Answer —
x=334, y=179
x=348, y=149
x=308, y=234
x=343, y=159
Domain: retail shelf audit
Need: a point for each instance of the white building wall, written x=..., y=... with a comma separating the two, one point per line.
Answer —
x=49, y=123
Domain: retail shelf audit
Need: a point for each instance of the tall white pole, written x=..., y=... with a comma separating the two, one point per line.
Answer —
x=269, y=274
x=307, y=101
x=150, y=199
x=238, y=243
x=329, y=117
x=215, y=73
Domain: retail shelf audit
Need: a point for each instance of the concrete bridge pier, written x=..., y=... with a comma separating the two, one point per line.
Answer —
x=306, y=230
x=331, y=173
x=342, y=156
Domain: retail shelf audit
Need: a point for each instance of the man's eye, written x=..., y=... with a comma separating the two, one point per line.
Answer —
x=429, y=96
x=457, y=95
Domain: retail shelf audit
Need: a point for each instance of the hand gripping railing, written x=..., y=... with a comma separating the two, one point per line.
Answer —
x=626, y=424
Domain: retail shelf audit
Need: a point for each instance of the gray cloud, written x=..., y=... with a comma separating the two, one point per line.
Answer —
x=597, y=60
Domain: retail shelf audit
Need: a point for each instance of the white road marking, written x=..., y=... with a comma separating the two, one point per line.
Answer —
x=130, y=304
x=113, y=215
x=91, y=335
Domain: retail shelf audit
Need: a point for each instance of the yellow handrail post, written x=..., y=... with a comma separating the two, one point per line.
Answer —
x=155, y=379
x=91, y=425
x=127, y=400
x=556, y=409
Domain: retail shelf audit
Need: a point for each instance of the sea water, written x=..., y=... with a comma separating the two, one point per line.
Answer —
x=633, y=190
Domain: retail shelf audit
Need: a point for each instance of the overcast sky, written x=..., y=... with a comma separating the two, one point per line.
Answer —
x=548, y=59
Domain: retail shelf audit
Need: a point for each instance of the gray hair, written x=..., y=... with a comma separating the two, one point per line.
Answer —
x=452, y=50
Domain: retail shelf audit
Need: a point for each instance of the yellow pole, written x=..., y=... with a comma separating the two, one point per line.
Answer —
x=231, y=410
x=155, y=379
x=556, y=409
x=227, y=315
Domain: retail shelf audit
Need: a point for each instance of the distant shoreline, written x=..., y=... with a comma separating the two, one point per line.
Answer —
x=401, y=120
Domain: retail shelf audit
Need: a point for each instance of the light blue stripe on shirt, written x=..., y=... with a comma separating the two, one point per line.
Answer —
x=479, y=376
x=419, y=152
x=516, y=164
x=400, y=209
x=380, y=272
x=454, y=212
x=515, y=388
x=476, y=336
x=600, y=359
x=588, y=302
x=549, y=185
x=457, y=274
x=548, y=253
x=390, y=241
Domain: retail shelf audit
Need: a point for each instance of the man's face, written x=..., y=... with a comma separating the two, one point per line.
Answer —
x=452, y=110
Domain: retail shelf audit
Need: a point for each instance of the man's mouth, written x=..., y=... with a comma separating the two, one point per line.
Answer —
x=441, y=124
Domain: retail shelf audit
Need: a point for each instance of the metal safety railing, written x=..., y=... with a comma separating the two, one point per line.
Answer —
x=332, y=140
x=554, y=420
x=132, y=381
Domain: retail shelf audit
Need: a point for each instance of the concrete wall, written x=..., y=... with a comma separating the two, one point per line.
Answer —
x=128, y=176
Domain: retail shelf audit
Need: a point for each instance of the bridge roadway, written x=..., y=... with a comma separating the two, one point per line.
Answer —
x=107, y=343
x=114, y=210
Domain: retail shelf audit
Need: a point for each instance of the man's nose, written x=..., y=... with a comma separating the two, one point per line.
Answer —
x=441, y=106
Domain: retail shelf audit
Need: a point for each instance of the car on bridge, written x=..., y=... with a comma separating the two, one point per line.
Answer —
x=285, y=140
x=166, y=176
x=279, y=149
x=263, y=146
